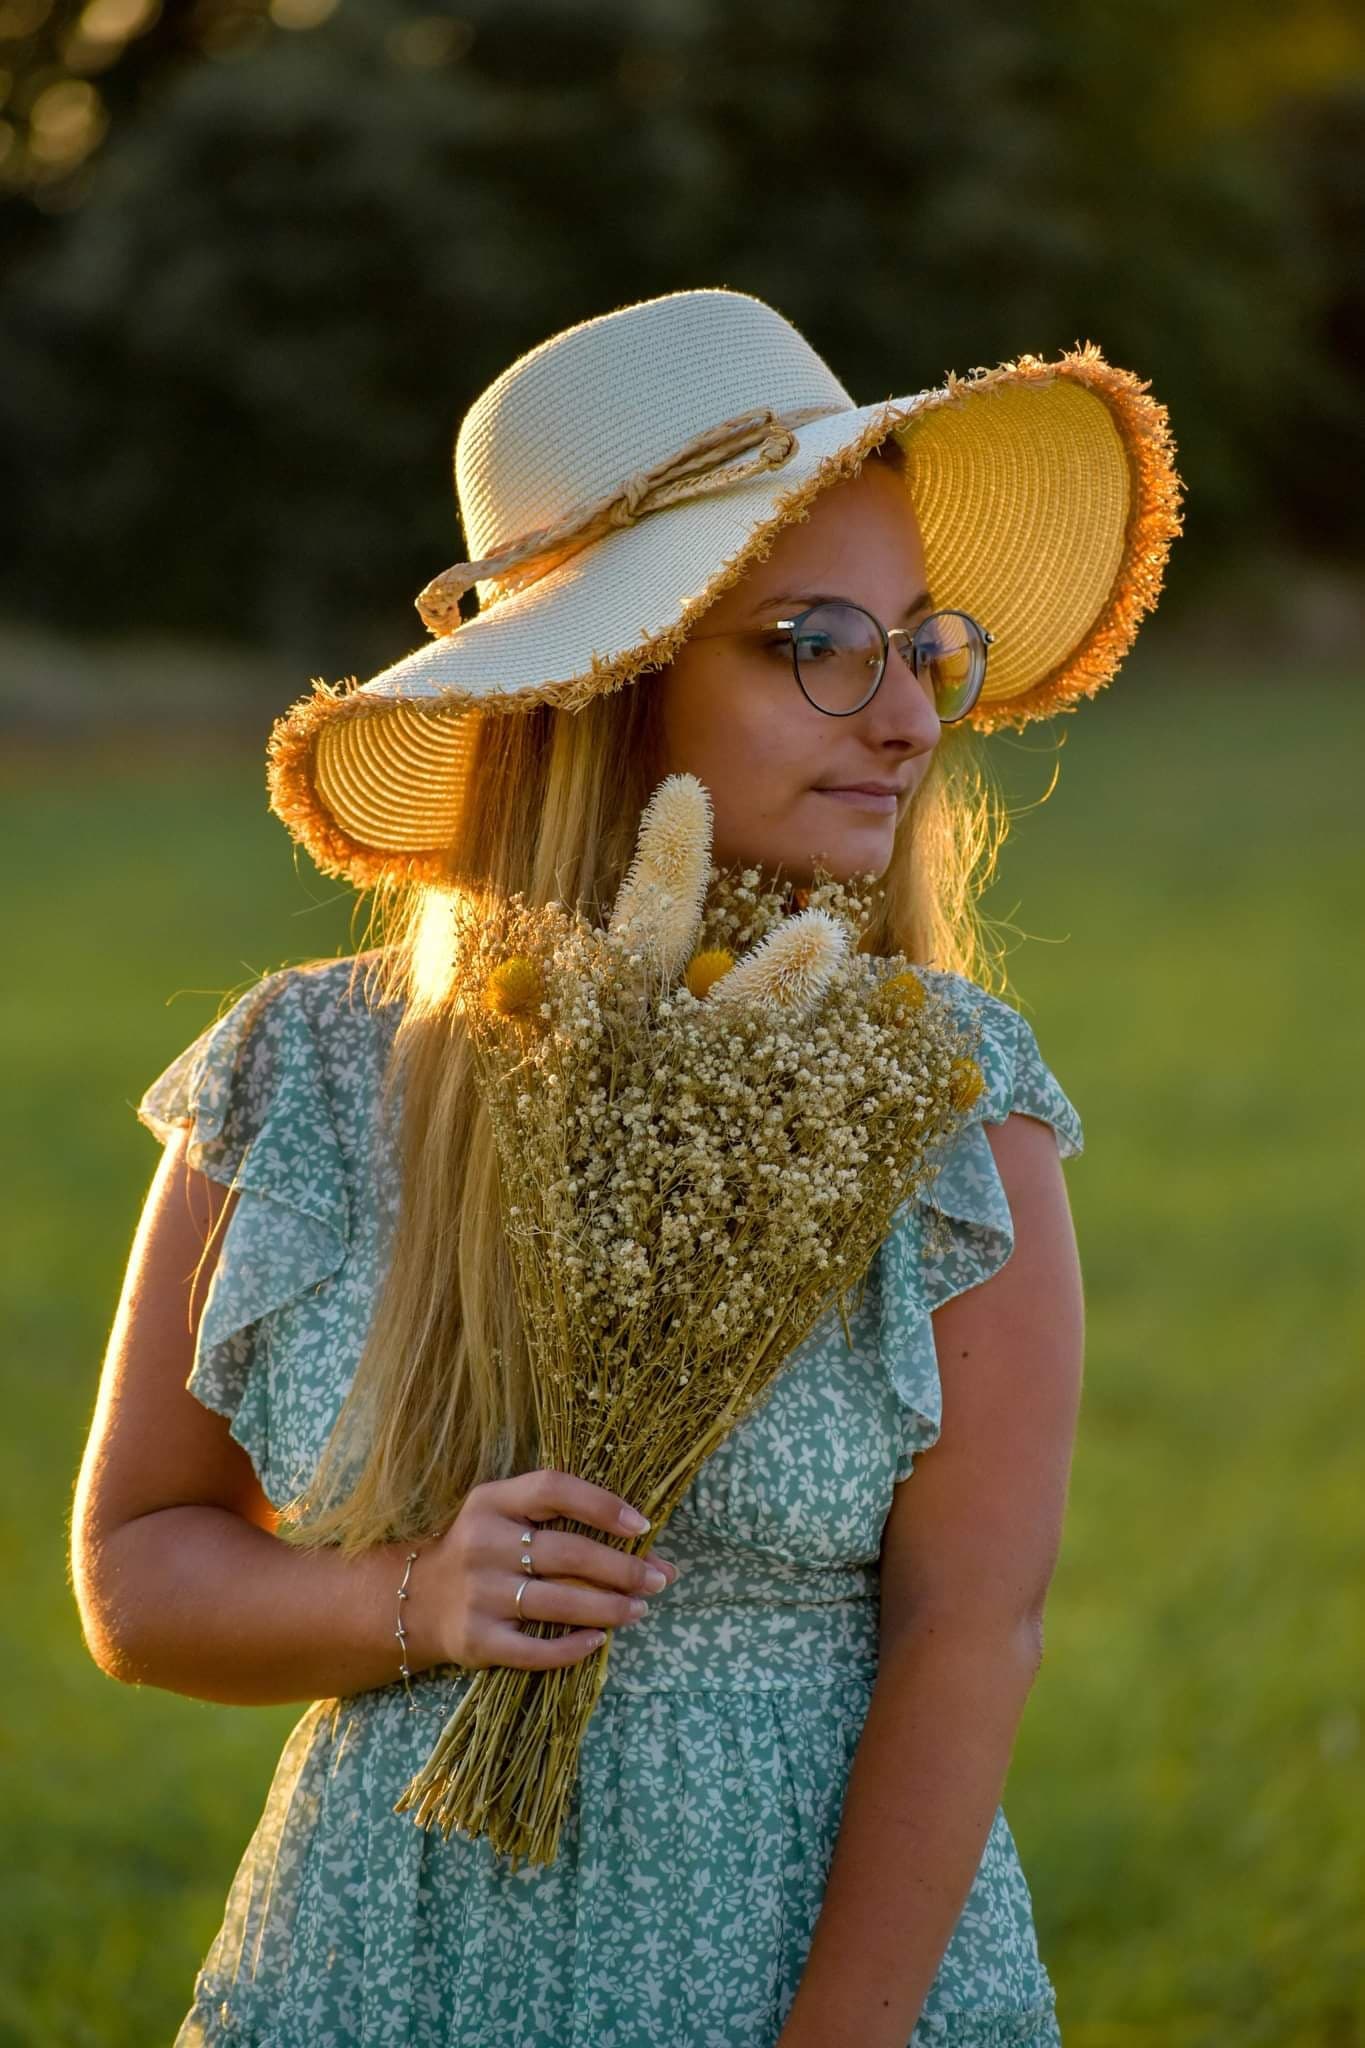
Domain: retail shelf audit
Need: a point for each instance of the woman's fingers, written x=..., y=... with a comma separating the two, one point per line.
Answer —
x=521, y=1652
x=585, y=1586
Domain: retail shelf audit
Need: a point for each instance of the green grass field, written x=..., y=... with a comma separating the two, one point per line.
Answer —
x=1187, y=1790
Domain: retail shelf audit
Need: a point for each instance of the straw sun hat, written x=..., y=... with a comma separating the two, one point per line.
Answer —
x=614, y=480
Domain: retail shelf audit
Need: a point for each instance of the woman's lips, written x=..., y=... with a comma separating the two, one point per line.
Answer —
x=865, y=799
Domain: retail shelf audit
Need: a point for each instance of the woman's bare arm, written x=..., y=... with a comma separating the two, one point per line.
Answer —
x=181, y=1581
x=208, y=1605
x=178, y=1577
x=968, y=1553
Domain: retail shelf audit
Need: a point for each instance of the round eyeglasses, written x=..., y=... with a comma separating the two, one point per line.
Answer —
x=839, y=655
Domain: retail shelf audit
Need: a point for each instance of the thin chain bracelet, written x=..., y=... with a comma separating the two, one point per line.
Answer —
x=401, y=1634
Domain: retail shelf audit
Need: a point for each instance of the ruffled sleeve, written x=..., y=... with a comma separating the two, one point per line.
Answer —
x=958, y=1231
x=252, y=1089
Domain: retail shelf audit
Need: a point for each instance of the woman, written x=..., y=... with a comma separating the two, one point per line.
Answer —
x=318, y=1481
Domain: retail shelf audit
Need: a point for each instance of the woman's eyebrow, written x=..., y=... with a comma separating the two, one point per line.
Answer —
x=832, y=597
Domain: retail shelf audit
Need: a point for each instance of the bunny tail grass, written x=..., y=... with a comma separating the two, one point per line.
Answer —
x=790, y=969
x=659, y=906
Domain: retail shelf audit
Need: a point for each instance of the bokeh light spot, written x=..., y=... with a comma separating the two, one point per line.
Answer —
x=301, y=14
x=117, y=21
x=430, y=40
x=66, y=121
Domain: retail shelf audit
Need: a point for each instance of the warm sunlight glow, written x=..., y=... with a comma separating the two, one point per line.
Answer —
x=433, y=946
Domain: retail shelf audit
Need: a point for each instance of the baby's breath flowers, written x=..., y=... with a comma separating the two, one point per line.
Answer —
x=706, y=1116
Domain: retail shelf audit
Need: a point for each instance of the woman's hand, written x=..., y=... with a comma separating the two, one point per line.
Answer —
x=467, y=1579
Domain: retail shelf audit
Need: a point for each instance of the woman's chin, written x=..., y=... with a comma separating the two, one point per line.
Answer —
x=858, y=845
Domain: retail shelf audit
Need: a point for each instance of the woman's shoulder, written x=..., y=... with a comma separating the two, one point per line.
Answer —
x=958, y=1229
x=1005, y=1045
x=294, y=1059
x=338, y=994
x=279, y=1095
x=333, y=1010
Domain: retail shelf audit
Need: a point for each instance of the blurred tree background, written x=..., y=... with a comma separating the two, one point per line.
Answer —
x=260, y=258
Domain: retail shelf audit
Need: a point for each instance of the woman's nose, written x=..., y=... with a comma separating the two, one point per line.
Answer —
x=902, y=710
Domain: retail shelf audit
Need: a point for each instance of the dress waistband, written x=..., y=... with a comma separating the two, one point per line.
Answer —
x=769, y=1634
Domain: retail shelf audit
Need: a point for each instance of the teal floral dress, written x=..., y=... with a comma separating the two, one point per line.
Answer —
x=679, y=1910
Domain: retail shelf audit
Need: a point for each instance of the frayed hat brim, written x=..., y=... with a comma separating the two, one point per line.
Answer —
x=1071, y=461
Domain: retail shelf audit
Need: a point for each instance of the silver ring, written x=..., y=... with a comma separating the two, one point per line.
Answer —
x=526, y=1563
x=520, y=1616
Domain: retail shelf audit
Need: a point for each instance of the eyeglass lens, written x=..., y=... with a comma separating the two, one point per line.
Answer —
x=839, y=653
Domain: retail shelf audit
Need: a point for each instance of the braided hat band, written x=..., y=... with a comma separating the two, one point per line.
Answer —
x=621, y=475
x=701, y=464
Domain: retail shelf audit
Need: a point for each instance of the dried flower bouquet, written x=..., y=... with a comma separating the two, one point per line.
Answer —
x=698, y=1153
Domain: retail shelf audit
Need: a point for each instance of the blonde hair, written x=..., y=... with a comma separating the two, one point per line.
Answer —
x=440, y=1399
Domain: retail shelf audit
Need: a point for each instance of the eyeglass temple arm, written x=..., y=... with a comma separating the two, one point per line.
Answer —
x=892, y=632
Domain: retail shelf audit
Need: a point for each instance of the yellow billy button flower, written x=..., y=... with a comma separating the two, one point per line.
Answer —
x=514, y=989
x=965, y=1083
x=704, y=969
x=902, y=992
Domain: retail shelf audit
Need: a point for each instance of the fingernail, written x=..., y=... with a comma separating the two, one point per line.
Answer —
x=655, y=1579
x=637, y=1524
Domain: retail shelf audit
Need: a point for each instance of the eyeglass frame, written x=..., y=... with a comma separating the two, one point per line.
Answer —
x=910, y=634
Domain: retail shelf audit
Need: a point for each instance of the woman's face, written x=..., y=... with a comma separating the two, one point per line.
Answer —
x=734, y=715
